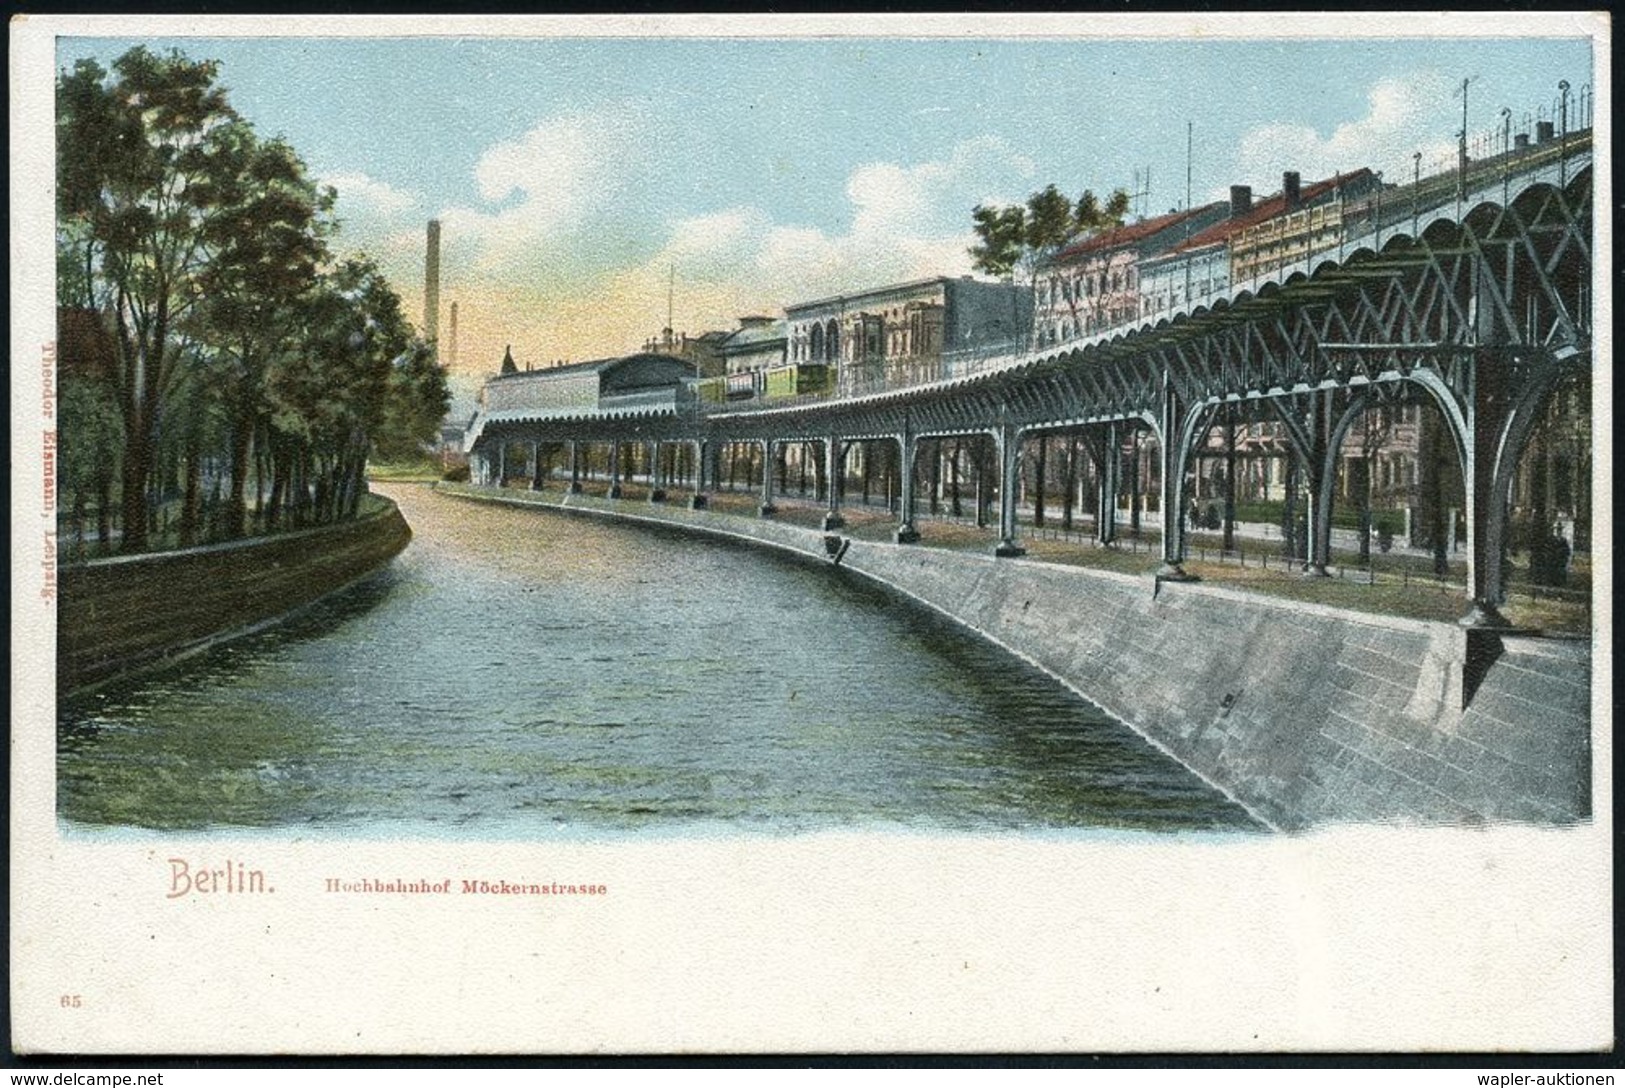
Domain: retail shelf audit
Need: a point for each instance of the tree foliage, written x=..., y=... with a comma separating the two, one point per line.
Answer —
x=242, y=353
x=1015, y=241
x=1020, y=237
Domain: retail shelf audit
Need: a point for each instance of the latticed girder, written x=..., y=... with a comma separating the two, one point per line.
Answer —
x=1481, y=318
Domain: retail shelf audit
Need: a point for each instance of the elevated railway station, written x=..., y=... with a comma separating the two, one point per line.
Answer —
x=1469, y=291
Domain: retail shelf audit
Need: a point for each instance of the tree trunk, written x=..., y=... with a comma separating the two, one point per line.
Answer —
x=1230, y=485
x=1361, y=467
x=192, y=493
x=279, y=489
x=1133, y=487
x=935, y=484
x=261, y=460
x=1038, y=481
x=242, y=435
x=104, y=505
x=1071, y=481
x=133, y=493
x=1289, y=511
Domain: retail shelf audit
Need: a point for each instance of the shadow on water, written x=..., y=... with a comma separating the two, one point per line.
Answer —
x=125, y=757
x=225, y=659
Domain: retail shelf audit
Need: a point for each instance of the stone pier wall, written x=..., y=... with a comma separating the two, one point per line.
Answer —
x=1303, y=714
x=127, y=612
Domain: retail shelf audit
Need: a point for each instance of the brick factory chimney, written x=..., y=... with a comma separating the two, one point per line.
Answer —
x=1290, y=190
x=431, y=285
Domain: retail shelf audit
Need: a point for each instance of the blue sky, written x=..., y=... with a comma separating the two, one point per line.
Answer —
x=572, y=173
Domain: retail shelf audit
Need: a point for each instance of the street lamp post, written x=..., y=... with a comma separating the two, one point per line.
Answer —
x=1461, y=149
x=1379, y=211
x=1506, y=155
x=1563, y=133
x=1416, y=194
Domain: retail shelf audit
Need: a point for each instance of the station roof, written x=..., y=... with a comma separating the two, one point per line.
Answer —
x=754, y=336
x=592, y=366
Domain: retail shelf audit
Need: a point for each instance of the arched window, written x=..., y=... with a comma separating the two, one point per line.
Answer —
x=832, y=342
x=817, y=345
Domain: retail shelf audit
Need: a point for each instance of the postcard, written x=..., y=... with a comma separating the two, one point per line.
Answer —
x=698, y=534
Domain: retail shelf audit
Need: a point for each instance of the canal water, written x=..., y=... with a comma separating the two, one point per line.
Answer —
x=523, y=674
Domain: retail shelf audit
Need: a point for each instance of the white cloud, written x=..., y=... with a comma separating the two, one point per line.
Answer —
x=907, y=222
x=375, y=217
x=569, y=250
x=931, y=197
x=564, y=181
x=368, y=195
x=1403, y=116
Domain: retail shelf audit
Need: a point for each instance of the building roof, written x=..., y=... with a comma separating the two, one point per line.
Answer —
x=596, y=366
x=754, y=336
x=1269, y=208
x=1130, y=233
x=908, y=288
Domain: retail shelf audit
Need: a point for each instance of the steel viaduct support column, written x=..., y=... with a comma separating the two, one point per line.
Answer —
x=907, y=533
x=1108, y=457
x=502, y=462
x=657, y=490
x=1316, y=437
x=575, y=467
x=534, y=466
x=697, y=501
x=1497, y=425
x=1178, y=426
x=767, y=509
x=615, y=470
x=1008, y=440
x=832, y=487
x=1320, y=457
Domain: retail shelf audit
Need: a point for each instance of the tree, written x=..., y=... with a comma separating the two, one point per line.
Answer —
x=1002, y=233
x=139, y=173
x=416, y=403
x=92, y=433
x=329, y=396
x=235, y=343
x=1020, y=240
x=267, y=243
x=1090, y=218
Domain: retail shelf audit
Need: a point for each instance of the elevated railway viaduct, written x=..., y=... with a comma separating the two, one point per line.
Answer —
x=1474, y=297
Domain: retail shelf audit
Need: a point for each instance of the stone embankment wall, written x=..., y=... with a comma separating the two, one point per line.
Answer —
x=1304, y=715
x=126, y=612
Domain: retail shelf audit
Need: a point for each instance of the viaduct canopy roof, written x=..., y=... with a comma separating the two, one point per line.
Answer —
x=641, y=371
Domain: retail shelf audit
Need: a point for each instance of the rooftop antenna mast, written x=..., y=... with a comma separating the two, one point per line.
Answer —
x=1190, y=129
x=1141, y=196
x=671, y=290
